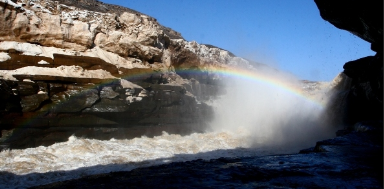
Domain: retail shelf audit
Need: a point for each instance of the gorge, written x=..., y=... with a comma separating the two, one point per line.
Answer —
x=94, y=94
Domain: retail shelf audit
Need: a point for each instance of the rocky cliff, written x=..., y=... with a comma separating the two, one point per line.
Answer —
x=68, y=67
x=364, y=97
x=73, y=67
x=354, y=159
x=101, y=71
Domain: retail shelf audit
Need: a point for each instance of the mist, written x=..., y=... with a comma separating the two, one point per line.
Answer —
x=271, y=116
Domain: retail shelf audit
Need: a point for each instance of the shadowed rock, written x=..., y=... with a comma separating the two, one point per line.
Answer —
x=74, y=100
x=32, y=102
x=60, y=79
x=27, y=88
x=362, y=18
x=89, y=63
x=364, y=99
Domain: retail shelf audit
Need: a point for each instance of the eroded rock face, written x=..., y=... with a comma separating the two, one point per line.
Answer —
x=10, y=101
x=32, y=102
x=61, y=46
x=87, y=59
x=50, y=24
x=116, y=104
x=108, y=92
x=27, y=88
x=362, y=18
x=364, y=98
x=94, y=35
x=74, y=100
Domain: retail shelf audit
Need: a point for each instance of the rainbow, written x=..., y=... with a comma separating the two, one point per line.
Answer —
x=252, y=75
x=233, y=72
x=222, y=72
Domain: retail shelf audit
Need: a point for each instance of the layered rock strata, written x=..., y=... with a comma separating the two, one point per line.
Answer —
x=84, y=65
x=351, y=160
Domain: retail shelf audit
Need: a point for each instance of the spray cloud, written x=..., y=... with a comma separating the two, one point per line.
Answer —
x=270, y=115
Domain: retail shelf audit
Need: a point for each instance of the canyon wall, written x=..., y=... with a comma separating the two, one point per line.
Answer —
x=363, y=98
x=98, y=70
x=103, y=71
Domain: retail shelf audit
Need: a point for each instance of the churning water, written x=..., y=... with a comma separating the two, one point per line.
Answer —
x=254, y=118
x=79, y=157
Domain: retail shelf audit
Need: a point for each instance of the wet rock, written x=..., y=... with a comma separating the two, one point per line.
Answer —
x=108, y=92
x=32, y=102
x=27, y=88
x=43, y=87
x=108, y=105
x=367, y=126
x=10, y=102
x=204, y=92
x=179, y=89
x=56, y=88
x=364, y=99
x=131, y=88
x=367, y=70
x=74, y=100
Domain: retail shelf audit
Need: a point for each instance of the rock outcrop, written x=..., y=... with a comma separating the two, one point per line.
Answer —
x=364, y=97
x=76, y=64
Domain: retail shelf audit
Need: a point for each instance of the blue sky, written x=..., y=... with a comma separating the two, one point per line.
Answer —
x=288, y=35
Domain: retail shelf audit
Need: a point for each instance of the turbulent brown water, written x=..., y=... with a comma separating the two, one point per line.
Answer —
x=79, y=153
x=250, y=121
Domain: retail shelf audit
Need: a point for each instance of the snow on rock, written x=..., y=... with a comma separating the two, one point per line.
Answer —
x=125, y=39
x=4, y=56
x=43, y=62
x=64, y=71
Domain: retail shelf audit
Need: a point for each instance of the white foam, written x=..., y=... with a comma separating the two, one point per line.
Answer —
x=80, y=157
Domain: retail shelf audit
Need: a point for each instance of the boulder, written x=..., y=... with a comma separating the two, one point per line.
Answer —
x=74, y=100
x=43, y=87
x=106, y=105
x=108, y=92
x=56, y=88
x=32, y=102
x=27, y=88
